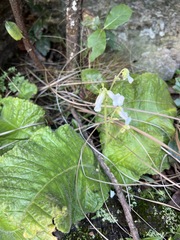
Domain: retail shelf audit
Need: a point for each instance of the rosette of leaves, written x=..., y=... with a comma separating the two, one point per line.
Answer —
x=135, y=151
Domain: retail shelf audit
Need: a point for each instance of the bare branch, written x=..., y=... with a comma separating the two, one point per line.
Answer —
x=16, y=6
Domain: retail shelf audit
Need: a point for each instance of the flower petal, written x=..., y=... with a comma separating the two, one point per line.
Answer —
x=99, y=101
x=126, y=75
x=128, y=120
x=130, y=79
x=118, y=99
x=124, y=115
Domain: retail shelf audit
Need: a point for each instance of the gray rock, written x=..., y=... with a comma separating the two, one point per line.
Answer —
x=157, y=61
x=151, y=39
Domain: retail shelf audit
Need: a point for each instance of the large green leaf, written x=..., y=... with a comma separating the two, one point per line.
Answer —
x=96, y=41
x=131, y=153
x=117, y=16
x=18, y=118
x=40, y=181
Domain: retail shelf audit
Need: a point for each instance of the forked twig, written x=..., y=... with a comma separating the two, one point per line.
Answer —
x=112, y=178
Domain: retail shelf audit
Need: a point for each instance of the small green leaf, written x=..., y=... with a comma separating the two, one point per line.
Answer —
x=27, y=90
x=13, y=30
x=21, y=85
x=96, y=41
x=95, y=79
x=117, y=16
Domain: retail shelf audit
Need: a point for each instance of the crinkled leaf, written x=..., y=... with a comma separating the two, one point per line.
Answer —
x=13, y=235
x=117, y=16
x=96, y=41
x=133, y=154
x=45, y=178
x=93, y=78
x=18, y=120
x=20, y=84
x=27, y=90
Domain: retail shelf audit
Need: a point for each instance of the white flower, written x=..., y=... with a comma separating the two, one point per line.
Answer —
x=130, y=79
x=124, y=115
x=99, y=101
x=126, y=75
x=118, y=99
x=112, y=193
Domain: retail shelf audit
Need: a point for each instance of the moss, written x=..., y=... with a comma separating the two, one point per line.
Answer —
x=163, y=220
x=82, y=234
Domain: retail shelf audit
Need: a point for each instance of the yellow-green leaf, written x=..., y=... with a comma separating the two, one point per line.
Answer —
x=13, y=30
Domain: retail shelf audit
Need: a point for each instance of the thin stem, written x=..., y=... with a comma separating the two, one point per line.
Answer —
x=112, y=178
x=16, y=6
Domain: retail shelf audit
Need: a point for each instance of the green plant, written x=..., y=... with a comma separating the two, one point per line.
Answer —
x=133, y=151
x=41, y=178
x=105, y=216
x=13, y=30
x=36, y=33
x=17, y=83
x=51, y=178
x=97, y=40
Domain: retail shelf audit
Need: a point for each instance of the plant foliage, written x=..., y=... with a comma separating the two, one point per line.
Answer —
x=13, y=30
x=97, y=40
x=118, y=16
x=17, y=83
x=19, y=118
x=40, y=182
x=131, y=153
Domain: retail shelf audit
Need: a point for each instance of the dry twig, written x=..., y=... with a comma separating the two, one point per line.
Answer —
x=112, y=178
x=16, y=6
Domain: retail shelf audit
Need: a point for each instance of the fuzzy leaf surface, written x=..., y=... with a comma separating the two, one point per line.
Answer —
x=117, y=16
x=39, y=182
x=131, y=153
x=27, y=90
x=19, y=118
